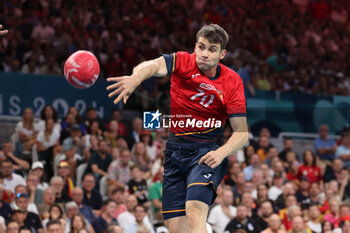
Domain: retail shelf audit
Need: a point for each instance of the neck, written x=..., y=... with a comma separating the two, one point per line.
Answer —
x=106, y=217
x=210, y=73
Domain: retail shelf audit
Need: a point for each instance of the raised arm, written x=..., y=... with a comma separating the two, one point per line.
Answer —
x=126, y=85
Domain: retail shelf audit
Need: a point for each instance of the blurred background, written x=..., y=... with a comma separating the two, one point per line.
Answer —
x=292, y=55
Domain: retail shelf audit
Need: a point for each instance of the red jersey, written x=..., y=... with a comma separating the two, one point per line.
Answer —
x=313, y=173
x=199, y=104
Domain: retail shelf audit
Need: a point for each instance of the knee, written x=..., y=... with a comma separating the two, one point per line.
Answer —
x=196, y=213
x=173, y=227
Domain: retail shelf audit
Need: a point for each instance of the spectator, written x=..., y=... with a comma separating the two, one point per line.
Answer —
x=288, y=191
x=55, y=212
x=117, y=115
x=27, y=130
x=47, y=113
x=156, y=196
x=333, y=170
x=146, y=138
x=254, y=164
x=86, y=211
x=23, y=217
x=139, y=213
x=38, y=170
x=112, y=134
x=343, y=151
x=287, y=147
x=119, y=172
x=93, y=131
x=92, y=197
x=309, y=167
x=74, y=149
x=12, y=227
x=49, y=198
x=222, y=214
x=264, y=213
x=19, y=165
x=101, y=223
x=277, y=187
x=54, y=226
x=99, y=161
x=63, y=171
x=134, y=135
x=77, y=223
x=238, y=189
x=5, y=209
x=57, y=185
x=314, y=223
x=274, y=224
x=11, y=180
x=22, y=200
x=333, y=214
x=72, y=209
x=91, y=116
x=298, y=225
x=242, y=221
x=118, y=195
x=35, y=194
x=325, y=147
x=127, y=218
x=302, y=194
x=47, y=144
x=138, y=186
x=43, y=32
x=141, y=159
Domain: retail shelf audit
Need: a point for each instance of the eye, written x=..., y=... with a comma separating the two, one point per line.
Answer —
x=212, y=49
x=201, y=47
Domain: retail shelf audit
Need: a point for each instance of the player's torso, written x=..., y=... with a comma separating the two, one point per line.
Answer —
x=196, y=96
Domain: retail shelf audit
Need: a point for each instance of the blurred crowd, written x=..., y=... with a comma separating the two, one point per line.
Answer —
x=86, y=174
x=302, y=48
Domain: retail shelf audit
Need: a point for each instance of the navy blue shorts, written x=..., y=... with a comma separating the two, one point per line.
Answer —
x=185, y=179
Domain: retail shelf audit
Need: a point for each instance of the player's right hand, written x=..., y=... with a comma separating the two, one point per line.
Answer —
x=3, y=32
x=125, y=86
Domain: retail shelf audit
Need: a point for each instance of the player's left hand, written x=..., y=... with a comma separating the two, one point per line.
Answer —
x=212, y=159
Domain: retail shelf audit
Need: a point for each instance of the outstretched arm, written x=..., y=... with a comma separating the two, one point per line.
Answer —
x=3, y=32
x=127, y=84
x=234, y=143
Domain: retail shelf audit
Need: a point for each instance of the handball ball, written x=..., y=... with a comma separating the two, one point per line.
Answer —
x=81, y=69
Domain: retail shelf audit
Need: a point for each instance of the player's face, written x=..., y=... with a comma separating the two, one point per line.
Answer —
x=208, y=54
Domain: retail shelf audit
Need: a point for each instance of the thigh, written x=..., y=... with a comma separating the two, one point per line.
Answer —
x=202, y=182
x=174, y=187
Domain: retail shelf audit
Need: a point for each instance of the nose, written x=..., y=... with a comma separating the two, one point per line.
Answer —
x=205, y=54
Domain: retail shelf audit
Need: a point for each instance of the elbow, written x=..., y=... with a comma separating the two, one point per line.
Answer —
x=245, y=138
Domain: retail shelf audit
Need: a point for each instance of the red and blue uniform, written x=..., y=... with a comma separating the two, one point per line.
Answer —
x=202, y=104
x=197, y=98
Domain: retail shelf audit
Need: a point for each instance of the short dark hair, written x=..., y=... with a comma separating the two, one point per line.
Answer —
x=53, y=222
x=106, y=202
x=214, y=34
x=24, y=228
x=118, y=190
x=5, y=161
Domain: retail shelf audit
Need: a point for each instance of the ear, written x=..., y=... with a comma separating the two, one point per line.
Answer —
x=223, y=53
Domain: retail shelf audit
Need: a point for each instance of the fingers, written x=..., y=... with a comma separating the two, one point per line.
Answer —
x=115, y=79
x=122, y=94
x=115, y=85
x=115, y=92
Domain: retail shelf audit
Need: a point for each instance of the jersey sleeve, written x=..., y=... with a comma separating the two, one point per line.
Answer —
x=179, y=62
x=236, y=106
